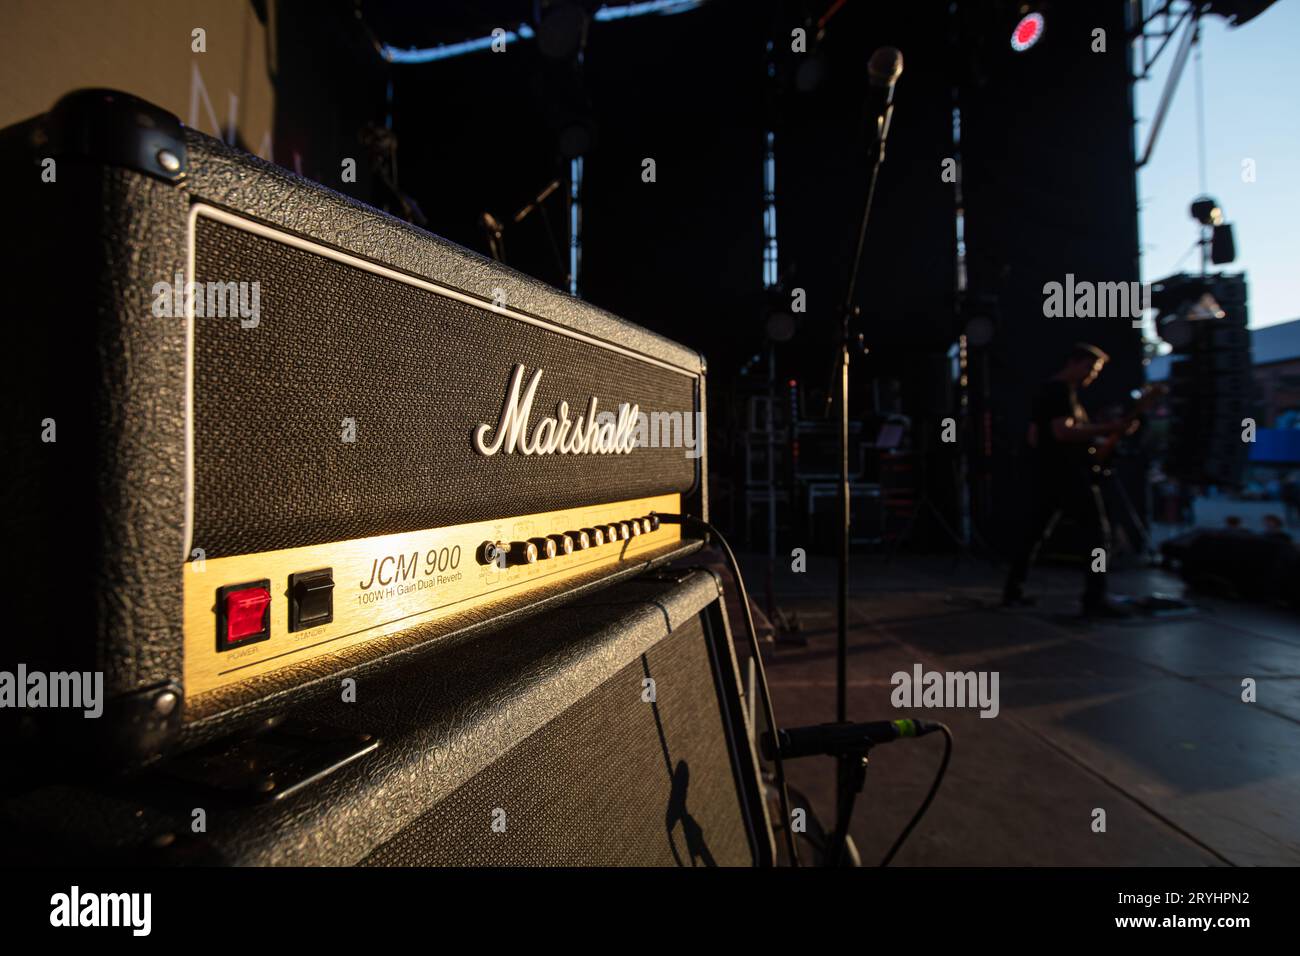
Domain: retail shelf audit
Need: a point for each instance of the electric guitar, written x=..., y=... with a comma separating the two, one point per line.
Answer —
x=1104, y=450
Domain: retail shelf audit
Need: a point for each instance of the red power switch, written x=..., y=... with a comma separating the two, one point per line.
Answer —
x=243, y=614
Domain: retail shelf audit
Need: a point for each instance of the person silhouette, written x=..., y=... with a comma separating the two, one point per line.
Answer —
x=677, y=813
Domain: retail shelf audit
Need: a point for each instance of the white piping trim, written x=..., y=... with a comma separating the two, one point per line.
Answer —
x=238, y=222
x=189, y=388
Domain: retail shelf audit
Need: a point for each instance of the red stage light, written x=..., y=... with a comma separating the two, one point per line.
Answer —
x=1027, y=32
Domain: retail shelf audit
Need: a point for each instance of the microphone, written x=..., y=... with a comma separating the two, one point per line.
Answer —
x=885, y=66
x=883, y=70
x=833, y=740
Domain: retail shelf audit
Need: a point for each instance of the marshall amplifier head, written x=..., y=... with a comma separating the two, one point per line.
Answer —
x=264, y=438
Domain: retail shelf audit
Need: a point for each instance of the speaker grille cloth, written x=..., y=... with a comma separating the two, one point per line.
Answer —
x=416, y=372
x=613, y=781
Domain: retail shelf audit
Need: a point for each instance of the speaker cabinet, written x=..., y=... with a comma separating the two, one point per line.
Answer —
x=610, y=731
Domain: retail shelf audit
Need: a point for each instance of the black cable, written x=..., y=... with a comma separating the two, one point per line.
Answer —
x=929, y=797
x=700, y=525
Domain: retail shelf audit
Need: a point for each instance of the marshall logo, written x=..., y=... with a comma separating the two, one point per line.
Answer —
x=590, y=434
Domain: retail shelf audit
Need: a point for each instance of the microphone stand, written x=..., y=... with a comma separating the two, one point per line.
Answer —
x=849, y=769
x=539, y=203
x=495, y=233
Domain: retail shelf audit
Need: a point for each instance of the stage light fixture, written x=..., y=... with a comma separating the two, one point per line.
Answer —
x=562, y=30
x=576, y=138
x=780, y=326
x=811, y=73
x=977, y=319
x=1222, y=243
x=1181, y=300
x=1027, y=32
x=979, y=331
x=1177, y=328
x=1206, y=211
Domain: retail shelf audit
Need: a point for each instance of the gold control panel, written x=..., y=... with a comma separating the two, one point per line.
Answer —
x=249, y=615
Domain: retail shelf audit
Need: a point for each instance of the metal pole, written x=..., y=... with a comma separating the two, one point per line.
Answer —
x=842, y=631
x=771, y=482
x=843, y=796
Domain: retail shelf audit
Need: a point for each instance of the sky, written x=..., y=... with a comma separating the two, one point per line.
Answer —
x=1251, y=82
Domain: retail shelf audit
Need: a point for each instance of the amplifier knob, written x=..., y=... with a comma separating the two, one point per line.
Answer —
x=595, y=536
x=563, y=543
x=653, y=522
x=522, y=552
x=543, y=547
x=635, y=525
x=624, y=532
x=611, y=533
x=645, y=525
x=581, y=539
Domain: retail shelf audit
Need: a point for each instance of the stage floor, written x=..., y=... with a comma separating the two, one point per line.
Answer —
x=1141, y=718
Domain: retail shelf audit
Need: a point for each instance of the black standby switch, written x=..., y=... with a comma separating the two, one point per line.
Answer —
x=311, y=599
